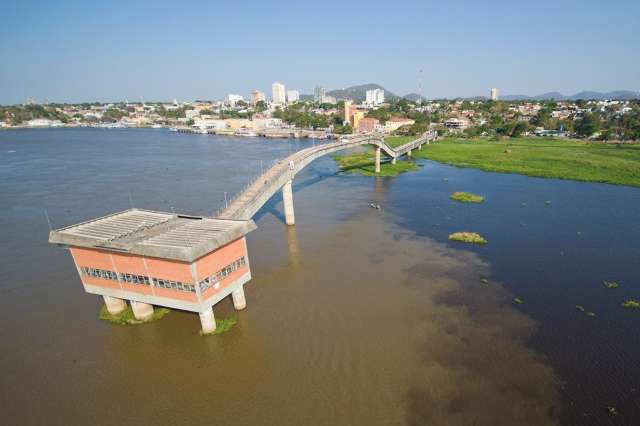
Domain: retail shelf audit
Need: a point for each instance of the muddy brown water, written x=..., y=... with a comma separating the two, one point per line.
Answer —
x=354, y=316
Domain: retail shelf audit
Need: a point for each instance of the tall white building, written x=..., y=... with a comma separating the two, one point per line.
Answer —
x=375, y=97
x=232, y=99
x=494, y=94
x=318, y=94
x=279, y=95
x=293, y=96
x=257, y=96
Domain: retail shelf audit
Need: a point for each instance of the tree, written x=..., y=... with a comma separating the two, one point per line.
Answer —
x=588, y=124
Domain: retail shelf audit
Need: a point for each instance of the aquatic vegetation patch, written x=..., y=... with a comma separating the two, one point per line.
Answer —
x=632, y=304
x=613, y=411
x=126, y=317
x=484, y=281
x=518, y=300
x=611, y=284
x=222, y=325
x=466, y=197
x=468, y=237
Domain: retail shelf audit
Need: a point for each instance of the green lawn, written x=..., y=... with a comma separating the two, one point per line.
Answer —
x=564, y=159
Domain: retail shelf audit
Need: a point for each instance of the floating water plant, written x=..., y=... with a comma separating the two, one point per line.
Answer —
x=613, y=411
x=590, y=314
x=611, y=284
x=517, y=300
x=580, y=308
x=126, y=317
x=547, y=203
x=467, y=237
x=466, y=197
x=484, y=281
x=222, y=325
x=633, y=304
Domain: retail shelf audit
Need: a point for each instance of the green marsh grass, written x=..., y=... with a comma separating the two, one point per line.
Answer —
x=468, y=237
x=466, y=197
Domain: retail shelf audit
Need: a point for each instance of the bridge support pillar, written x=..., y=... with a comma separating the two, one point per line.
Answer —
x=393, y=160
x=207, y=321
x=287, y=197
x=409, y=153
x=420, y=147
x=377, y=160
x=142, y=311
x=239, y=301
x=114, y=305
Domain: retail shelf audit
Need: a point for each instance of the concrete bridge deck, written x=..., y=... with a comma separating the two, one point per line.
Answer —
x=249, y=201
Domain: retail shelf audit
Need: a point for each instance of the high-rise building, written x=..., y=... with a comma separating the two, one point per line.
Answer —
x=257, y=96
x=293, y=96
x=494, y=94
x=319, y=94
x=375, y=97
x=347, y=111
x=278, y=93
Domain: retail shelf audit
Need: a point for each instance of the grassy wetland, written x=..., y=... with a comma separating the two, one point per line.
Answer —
x=538, y=157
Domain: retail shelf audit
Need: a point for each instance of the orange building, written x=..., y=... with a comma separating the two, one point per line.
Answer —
x=165, y=259
x=367, y=124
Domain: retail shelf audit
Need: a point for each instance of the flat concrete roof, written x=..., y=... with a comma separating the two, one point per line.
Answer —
x=154, y=234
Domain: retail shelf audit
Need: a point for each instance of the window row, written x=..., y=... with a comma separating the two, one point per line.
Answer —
x=137, y=279
x=214, y=279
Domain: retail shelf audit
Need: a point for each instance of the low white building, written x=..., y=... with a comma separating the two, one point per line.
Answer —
x=456, y=123
x=232, y=99
x=44, y=122
x=394, y=123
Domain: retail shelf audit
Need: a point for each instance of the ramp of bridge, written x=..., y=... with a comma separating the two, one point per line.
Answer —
x=256, y=194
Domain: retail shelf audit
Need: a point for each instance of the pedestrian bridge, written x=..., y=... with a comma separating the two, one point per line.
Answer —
x=247, y=203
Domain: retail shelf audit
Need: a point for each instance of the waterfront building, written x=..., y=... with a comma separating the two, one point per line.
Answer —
x=375, y=97
x=278, y=93
x=318, y=94
x=494, y=94
x=156, y=258
x=367, y=124
x=257, y=96
x=232, y=99
x=293, y=96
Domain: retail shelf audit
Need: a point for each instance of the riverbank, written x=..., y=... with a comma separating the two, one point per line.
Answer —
x=549, y=158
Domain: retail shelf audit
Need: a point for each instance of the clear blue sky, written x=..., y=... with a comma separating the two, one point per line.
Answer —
x=114, y=50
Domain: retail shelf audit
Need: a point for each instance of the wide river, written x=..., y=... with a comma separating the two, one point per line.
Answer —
x=355, y=316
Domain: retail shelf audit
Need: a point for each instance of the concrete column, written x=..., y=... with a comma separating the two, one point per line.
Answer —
x=239, y=302
x=207, y=320
x=114, y=305
x=409, y=153
x=287, y=197
x=142, y=311
x=420, y=147
x=377, y=159
x=393, y=160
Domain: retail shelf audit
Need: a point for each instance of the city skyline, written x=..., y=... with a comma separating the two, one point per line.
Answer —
x=70, y=51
